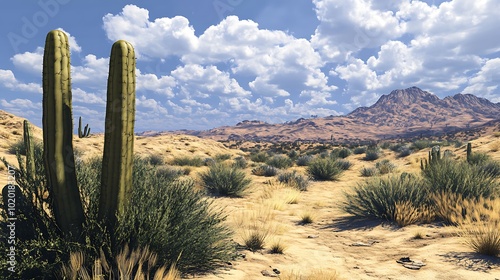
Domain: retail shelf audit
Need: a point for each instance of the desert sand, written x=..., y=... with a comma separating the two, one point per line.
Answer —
x=334, y=242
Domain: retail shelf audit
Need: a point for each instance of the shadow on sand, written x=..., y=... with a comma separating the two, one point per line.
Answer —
x=472, y=261
x=356, y=223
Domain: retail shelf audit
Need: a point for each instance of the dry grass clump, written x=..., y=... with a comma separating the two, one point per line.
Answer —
x=128, y=264
x=478, y=220
x=405, y=213
x=307, y=218
x=255, y=240
x=277, y=247
x=318, y=274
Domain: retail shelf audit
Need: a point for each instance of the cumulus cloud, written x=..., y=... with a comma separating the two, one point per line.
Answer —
x=154, y=39
x=485, y=82
x=31, y=62
x=8, y=80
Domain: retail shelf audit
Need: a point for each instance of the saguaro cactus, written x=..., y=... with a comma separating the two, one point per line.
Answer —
x=116, y=179
x=85, y=132
x=469, y=151
x=58, y=134
x=30, y=153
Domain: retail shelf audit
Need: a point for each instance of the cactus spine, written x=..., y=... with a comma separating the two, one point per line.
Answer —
x=30, y=153
x=116, y=182
x=58, y=134
x=86, y=130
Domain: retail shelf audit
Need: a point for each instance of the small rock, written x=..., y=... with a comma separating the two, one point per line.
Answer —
x=276, y=271
x=313, y=236
x=268, y=274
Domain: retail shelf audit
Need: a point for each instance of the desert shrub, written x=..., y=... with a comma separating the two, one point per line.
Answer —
x=280, y=161
x=306, y=218
x=385, y=166
x=259, y=157
x=188, y=161
x=385, y=145
x=368, y=171
x=396, y=147
x=265, y=170
x=169, y=173
x=324, y=169
x=478, y=158
x=224, y=180
x=294, y=180
x=420, y=144
x=404, y=152
x=304, y=160
x=222, y=157
x=491, y=167
x=344, y=152
x=371, y=155
x=293, y=154
x=402, y=199
x=343, y=164
x=155, y=160
x=240, y=162
x=359, y=150
x=462, y=178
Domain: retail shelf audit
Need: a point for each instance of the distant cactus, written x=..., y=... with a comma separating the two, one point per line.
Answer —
x=116, y=182
x=434, y=157
x=58, y=134
x=469, y=151
x=86, y=130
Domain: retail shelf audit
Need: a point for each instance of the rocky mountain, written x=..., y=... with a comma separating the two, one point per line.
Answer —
x=401, y=113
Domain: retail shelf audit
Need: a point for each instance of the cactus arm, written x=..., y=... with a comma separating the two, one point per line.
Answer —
x=116, y=182
x=58, y=135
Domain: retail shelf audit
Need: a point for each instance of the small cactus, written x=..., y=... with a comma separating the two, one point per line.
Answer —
x=30, y=153
x=85, y=132
x=469, y=151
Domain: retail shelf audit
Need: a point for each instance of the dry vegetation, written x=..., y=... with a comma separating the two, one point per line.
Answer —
x=305, y=234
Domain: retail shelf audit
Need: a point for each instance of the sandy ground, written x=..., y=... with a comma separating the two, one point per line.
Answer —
x=330, y=242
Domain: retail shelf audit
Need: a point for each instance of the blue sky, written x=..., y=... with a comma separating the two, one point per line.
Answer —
x=207, y=63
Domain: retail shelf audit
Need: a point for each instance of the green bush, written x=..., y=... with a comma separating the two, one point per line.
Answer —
x=293, y=154
x=259, y=157
x=223, y=180
x=304, y=160
x=280, y=161
x=265, y=170
x=222, y=157
x=371, y=155
x=359, y=150
x=155, y=160
x=380, y=198
x=491, y=167
x=294, y=180
x=343, y=164
x=368, y=171
x=470, y=181
x=385, y=166
x=188, y=161
x=420, y=144
x=324, y=169
x=240, y=162
x=478, y=158
x=404, y=152
x=342, y=153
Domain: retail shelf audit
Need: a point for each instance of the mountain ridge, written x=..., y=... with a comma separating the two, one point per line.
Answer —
x=401, y=113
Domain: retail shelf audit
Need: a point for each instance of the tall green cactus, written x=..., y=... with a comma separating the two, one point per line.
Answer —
x=58, y=135
x=30, y=152
x=116, y=179
x=85, y=132
x=469, y=151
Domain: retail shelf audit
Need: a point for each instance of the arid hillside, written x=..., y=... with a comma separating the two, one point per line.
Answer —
x=402, y=113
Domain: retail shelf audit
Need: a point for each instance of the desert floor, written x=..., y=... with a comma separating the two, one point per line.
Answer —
x=334, y=242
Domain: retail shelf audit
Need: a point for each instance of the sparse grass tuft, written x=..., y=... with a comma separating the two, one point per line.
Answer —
x=306, y=218
x=371, y=155
x=385, y=166
x=255, y=240
x=368, y=171
x=188, y=161
x=280, y=161
x=304, y=160
x=294, y=180
x=265, y=170
x=277, y=247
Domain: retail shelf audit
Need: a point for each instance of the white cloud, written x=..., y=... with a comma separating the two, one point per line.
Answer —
x=79, y=95
x=8, y=80
x=155, y=39
x=162, y=85
x=485, y=82
x=92, y=73
x=29, y=61
x=24, y=108
x=154, y=107
x=349, y=26
x=197, y=80
x=73, y=45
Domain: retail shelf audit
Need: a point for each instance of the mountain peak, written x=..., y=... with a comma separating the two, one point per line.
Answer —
x=407, y=96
